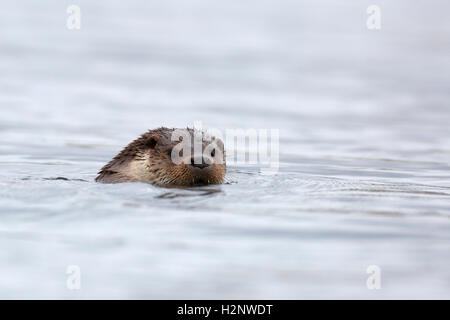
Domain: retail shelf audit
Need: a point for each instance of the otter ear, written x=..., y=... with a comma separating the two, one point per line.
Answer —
x=152, y=141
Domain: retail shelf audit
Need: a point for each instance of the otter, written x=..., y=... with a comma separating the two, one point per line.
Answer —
x=165, y=157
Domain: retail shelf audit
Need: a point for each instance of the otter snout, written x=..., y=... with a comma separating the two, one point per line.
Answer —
x=200, y=162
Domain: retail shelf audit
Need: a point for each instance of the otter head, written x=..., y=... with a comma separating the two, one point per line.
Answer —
x=183, y=157
x=169, y=157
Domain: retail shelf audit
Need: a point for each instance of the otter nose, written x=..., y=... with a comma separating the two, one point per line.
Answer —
x=199, y=162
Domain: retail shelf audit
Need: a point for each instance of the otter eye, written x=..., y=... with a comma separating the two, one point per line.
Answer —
x=152, y=141
x=213, y=152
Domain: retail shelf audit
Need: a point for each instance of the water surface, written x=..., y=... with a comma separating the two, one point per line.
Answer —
x=364, y=121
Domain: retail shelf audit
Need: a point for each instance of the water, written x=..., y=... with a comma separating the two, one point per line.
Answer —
x=364, y=149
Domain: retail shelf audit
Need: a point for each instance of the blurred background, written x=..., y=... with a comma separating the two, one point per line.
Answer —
x=364, y=120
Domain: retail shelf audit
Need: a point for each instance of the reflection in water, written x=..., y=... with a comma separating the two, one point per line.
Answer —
x=193, y=193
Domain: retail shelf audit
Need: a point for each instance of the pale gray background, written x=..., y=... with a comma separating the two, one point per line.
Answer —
x=365, y=147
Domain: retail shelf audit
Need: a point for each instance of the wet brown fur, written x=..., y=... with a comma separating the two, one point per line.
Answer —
x=147, y=159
